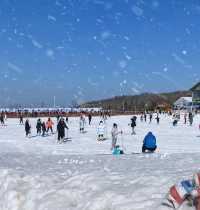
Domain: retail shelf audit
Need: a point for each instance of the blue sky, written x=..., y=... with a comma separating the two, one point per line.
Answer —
x=90, y=49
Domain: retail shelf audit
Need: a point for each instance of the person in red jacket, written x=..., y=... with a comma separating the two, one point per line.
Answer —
x=49, y=125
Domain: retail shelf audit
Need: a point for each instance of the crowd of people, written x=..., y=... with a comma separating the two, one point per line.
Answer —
x=45, y=128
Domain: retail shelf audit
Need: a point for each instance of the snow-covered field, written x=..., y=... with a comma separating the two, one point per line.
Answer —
x=39, y=174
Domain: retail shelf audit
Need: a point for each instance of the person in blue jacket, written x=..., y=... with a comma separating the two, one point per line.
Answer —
x=149, y=143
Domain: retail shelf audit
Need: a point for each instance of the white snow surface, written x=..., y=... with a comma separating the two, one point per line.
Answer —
x=39, y=174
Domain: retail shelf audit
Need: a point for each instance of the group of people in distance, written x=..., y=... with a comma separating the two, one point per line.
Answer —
x=188, y=117
x=41, y=127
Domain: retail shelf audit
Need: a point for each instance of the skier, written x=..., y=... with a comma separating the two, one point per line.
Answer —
x=61, y=130
x=190, y=116
x=114, y=133
x=39, y=127
x=67, y=119
x=157, y=119
x=133, y=124
x=43, y=129
x=185, y=118
x=150, y=117
x=2, y=119
x=101, y=131
x=49, y=125
x=27, y=128
x=21, y=121
x=82, y=124
x=89, y=118
x=149, y=143
x=145, y=117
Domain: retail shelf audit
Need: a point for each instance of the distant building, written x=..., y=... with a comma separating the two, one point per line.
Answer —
x=196, y=95
x=183, y=103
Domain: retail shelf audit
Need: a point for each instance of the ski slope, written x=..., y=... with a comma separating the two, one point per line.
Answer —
x=39, y=174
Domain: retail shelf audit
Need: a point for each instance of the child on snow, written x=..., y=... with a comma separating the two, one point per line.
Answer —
x=114, y=133
x=117, y=150
x=82, y=124
x=43, y=129
x=101, y=131
x=133, y=124
x=39, y=127
x=185, y=191
x=49, y=125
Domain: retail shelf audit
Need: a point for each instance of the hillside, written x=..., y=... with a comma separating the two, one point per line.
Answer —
x=138, y=102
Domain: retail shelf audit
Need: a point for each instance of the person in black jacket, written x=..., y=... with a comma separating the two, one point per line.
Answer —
x=27, y=128
x=39, y=127
x=89, y=118
x=61, y=129
x=43, y=129
x=133, y=124
x=21, y=121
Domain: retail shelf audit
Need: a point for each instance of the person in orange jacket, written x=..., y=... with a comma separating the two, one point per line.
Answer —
x=49, y=125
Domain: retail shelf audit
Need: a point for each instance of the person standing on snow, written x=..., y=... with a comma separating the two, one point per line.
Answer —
x=67, y=119
x=21, y=120
x=157, y=119
x=27, y=128
x=145, y=117
x=61, y=130
x=39, y=127
x=150, y=117
x=2, y=119
x=133, y=124
x=149, y=143
x=190, y=118
x=101, y=131
x=82, y=124
x=49, y=125
x=89, y=118
x=43, y=129
x=114, y=133
x=185, y=118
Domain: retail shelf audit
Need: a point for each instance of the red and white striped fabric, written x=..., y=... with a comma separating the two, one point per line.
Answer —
x=177, y=195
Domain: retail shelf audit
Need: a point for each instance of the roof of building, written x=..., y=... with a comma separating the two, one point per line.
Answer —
x=196, y=87
x=183, y=99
